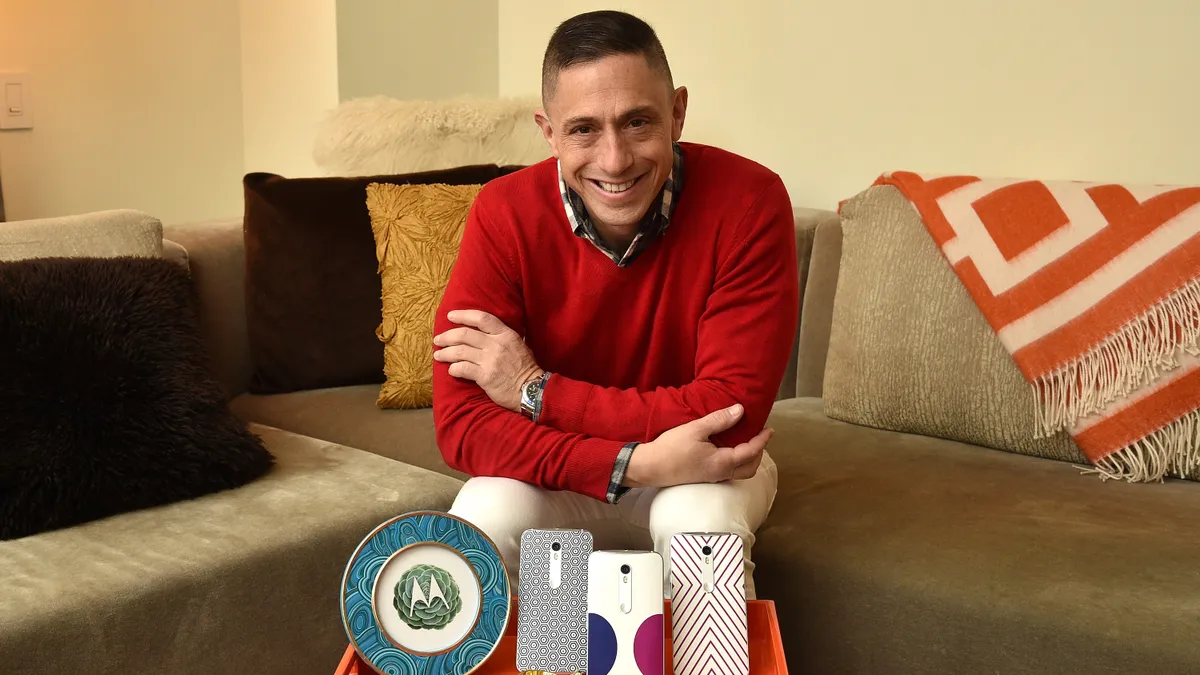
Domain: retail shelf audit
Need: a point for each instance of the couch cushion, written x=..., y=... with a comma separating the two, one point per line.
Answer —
x=417, y=230
x=248, y=576
x=312, y=285
x=807, y=222
x=908, y=348
x=350, y=416
x=896, y=553
x=216, y=259
x=101, y=234
x=107, y=403
x=816, y=308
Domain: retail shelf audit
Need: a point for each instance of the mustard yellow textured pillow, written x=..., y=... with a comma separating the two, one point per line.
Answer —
x=417, y=231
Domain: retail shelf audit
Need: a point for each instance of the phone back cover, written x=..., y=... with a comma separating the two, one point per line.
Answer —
x=708, y=630
x=552, y=623
x=620, y=643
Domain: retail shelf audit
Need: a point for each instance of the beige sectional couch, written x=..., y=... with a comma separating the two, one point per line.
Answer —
x=901, y=552
x=239, y=581
x=886, y=552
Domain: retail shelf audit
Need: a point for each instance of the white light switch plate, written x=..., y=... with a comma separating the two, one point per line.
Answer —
x=16, y=107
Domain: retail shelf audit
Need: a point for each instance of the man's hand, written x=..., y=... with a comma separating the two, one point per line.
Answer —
x=488, y=353
x=685, y=455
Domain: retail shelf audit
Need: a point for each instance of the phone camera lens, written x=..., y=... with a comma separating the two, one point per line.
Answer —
x=555, y=546
x=707, y=550
x=624, y=569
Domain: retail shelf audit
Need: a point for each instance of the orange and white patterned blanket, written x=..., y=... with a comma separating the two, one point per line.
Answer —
x=1094, y=289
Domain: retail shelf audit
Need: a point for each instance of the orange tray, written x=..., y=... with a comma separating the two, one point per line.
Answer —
x=766, y=646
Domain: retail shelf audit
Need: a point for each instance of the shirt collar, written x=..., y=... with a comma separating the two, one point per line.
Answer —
x=653, y=225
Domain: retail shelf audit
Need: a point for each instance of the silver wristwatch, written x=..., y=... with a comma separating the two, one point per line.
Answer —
x=531, y=396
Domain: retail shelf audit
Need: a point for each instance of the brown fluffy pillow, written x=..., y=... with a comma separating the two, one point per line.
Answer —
x=417, y=232
x=106, y=402
x=312, y=289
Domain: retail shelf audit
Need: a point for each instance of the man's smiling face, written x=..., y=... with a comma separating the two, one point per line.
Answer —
x=611, y=124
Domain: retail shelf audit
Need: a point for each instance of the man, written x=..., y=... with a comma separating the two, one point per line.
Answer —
x=618, y=321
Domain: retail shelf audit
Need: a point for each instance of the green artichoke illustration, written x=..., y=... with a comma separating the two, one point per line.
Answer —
x=427, y=598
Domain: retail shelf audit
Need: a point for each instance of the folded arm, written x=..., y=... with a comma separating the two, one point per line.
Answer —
x=474, y=433
x=745, y=338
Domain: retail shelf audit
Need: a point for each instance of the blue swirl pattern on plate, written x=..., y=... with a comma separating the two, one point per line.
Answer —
x=357, y=583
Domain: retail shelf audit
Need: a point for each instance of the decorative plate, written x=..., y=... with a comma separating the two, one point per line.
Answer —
x=425, y=593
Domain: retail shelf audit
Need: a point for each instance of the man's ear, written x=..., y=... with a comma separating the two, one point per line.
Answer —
x=543, y=121
x=678, y=112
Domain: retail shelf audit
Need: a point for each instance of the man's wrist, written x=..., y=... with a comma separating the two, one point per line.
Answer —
x=635, y=471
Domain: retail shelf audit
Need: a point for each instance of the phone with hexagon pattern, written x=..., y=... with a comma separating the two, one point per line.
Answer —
x=552, y=620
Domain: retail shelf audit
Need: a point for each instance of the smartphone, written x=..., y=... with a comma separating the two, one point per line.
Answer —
x=552, y=587
x=708, y=604
x=625, y=613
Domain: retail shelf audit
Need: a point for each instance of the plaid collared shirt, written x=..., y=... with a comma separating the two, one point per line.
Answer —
x=654, y=224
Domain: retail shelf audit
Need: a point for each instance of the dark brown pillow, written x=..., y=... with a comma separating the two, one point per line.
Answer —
x=106, y=401
x=313, y=291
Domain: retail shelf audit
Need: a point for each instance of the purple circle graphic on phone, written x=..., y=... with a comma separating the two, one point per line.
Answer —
x=648, y=646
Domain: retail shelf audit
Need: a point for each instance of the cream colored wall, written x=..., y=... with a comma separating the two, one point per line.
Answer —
x=162, y=106
x=137, y=104
x=832, y=94
x=289, y=81
x=417, y=50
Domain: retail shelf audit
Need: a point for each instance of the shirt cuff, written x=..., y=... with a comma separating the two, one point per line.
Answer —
x=615, y=489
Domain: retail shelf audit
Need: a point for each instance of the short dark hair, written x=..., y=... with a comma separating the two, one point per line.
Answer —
x=592, y=36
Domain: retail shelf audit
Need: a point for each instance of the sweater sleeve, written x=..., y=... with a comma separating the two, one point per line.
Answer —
x=475, y=435
x=745, y=338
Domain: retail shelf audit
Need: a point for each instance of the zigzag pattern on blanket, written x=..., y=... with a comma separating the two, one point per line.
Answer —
x=1094, y=289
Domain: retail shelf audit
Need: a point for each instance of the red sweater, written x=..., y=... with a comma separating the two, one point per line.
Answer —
x=705, y=318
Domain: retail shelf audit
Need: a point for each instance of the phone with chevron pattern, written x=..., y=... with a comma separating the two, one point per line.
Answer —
x=552, y=620
x=708, y=604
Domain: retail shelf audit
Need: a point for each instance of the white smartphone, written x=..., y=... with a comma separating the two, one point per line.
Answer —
x=708, y=604
x=552, y=590
x=625, y=613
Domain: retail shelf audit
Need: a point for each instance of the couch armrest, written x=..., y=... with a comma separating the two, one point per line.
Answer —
x=807, y=221
x=217, y=258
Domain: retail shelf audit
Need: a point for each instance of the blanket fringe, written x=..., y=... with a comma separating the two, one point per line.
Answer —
x=1173, y=450
x=1126, y=361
